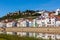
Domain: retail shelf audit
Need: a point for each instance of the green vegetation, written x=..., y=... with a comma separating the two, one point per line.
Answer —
x=23, y=14
x=16, y=37
x=2, y=39
x=19, y=14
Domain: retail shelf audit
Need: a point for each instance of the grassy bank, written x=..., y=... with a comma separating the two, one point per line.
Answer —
x=15, y=37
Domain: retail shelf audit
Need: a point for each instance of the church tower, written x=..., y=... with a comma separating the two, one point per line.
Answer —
x=57, y=12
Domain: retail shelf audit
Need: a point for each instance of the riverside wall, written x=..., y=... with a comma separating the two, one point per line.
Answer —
x=51, y=30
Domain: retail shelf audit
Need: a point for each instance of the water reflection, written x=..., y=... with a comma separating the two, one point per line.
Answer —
x=37, y=35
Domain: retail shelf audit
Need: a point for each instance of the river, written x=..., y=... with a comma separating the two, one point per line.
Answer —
x=36, y=35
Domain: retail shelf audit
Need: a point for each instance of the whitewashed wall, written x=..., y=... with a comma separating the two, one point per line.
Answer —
x=57, y=23
x=2, y=24
x=10, y=24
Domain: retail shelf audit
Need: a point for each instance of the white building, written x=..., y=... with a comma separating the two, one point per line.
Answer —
x=53, y=21
x=18, y=24
x=44, y=13
x=57, y=23
x=57, y=12
x=39, y=22
x=2, y=24
x=30, y=23
x=10, y=24
x=34, y=22
x=21, y=23
x=46, y=21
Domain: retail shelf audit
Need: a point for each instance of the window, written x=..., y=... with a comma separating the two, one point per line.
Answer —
x=58, y=12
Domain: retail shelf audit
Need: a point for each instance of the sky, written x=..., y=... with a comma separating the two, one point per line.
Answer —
x=7, y=6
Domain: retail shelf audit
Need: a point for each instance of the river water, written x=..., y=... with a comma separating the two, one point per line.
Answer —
x=36, y=35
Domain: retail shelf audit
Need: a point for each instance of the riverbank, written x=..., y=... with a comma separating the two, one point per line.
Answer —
x=51, y=30
x=16, y=37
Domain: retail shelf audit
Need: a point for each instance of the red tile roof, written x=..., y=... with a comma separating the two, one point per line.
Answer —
x=58, y=17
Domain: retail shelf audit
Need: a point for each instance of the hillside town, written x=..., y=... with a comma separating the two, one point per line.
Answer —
x=40, y=19
x=46, y=19
x=29, y=19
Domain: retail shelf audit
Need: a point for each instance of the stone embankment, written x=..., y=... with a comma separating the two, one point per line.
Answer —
x=54, y=30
